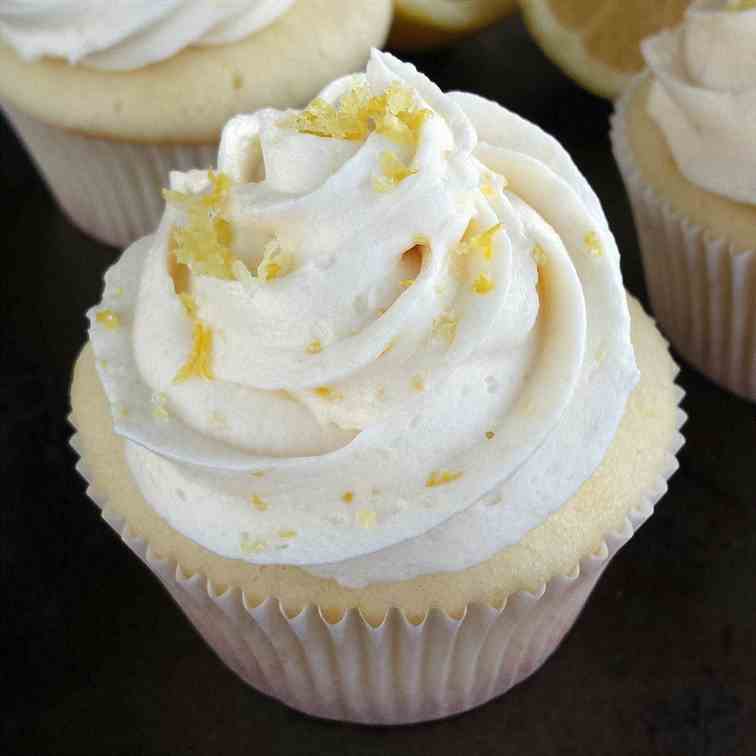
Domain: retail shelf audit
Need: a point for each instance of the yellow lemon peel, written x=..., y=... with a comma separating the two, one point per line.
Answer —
x=442, y=478
x=198, y=363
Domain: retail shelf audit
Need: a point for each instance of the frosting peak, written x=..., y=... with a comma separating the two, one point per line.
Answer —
x=122, y=36
x=704, y=95
x=407, y=316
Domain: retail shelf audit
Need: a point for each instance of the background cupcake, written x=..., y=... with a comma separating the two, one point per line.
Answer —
x=682, y=136
x=109, y=97
x=387, y=406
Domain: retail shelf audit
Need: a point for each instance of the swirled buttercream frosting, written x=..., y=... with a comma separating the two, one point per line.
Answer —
x=119, y=36
x=386, y=338
x=703, y=96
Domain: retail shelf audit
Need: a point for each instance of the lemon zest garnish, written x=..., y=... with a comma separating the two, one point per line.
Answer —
x=259, y=504
x=287, y=534
x=593, y=244
x=367, y=518
x=418, y=383
x=159, y=409
x=118, y=291
x=488, y=189
x=327, y=393
x=483, y=284
x=249, y=546
x=539, y=255
x=109, y=319
x=258, y=473
x=483, y=242
x=198, y=362
x=406, y=283
x=445, y=327
x=393, y=114
x=490, y=435
x=393, y=172
x=276, y=263
x=314, y=347
x=441, y=478
x=190, y=305
x=348, y=497
x=204, y=241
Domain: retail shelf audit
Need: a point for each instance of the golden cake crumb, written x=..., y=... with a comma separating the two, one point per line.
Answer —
x=109, y=319
x=259, y=504
x=441, y=478
x=367, y=518
x=348, y=497
x=198, y=363
x=483, y=284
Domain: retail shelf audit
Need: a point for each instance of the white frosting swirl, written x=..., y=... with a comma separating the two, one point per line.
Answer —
x=431, y=448
x=704, y=96
x=122, y=36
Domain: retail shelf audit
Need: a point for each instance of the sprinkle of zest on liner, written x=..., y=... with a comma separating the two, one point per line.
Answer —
x=393, y=114
x=250, y=546
x=287, y=534
x=490, y=435
x=367, y=518
x=347, y=497
x=314, y=347
x=393, y=172
x=483, y=284
x=327, y=393
x=198, y=363
x=740, y=5
x=441, y=478
x=109, y=319
x=593, y=244
x=445, y=327
x=259, y=504
x=204, y=241
x=276, y=263
x=483, y=242
x=159, y=408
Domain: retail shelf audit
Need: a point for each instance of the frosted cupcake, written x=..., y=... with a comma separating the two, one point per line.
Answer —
x=109, y=97
x=371, y=402
x=683, y=138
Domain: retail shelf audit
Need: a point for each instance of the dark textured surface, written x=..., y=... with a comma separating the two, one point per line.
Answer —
x=98, y=660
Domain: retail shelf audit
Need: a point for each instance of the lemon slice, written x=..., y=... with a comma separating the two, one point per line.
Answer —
x=597, y=42
x=427, y=23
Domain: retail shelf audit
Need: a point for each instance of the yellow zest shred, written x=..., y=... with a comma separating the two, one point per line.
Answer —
x=287, y=534
x=109, y=319
x=159, y=408
x=593, y=244
x=406, y=283
x=250, y=546
x=367, y=518
x=204, y=241
x=327, y=393
x=348, y=497
x=483, y=242
x=445, y=327
x=190, y=305
x=393, y=172
x=418, y=383
x=393, y=114
x=276, y=262
x=441, y=478
x=539, y=255
x=483, y=284
x=259, y=504
x=490, y=435
x=198, y=363
x=314, y=347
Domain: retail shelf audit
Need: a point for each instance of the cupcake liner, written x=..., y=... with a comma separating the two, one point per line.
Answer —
x=702, y=291
x=110, y=189
x=398, y=672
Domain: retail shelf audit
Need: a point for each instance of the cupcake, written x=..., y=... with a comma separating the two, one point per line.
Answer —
x=372, y=402
x=682, y=137
x=109, y=97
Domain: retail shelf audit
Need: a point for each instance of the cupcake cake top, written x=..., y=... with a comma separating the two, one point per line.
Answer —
x=386, y=338
x=117, y=36
x=704, y=95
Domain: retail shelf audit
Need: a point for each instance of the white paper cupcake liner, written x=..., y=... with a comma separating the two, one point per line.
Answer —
x=399, y=672
x=702, y=291
x=110, y=189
